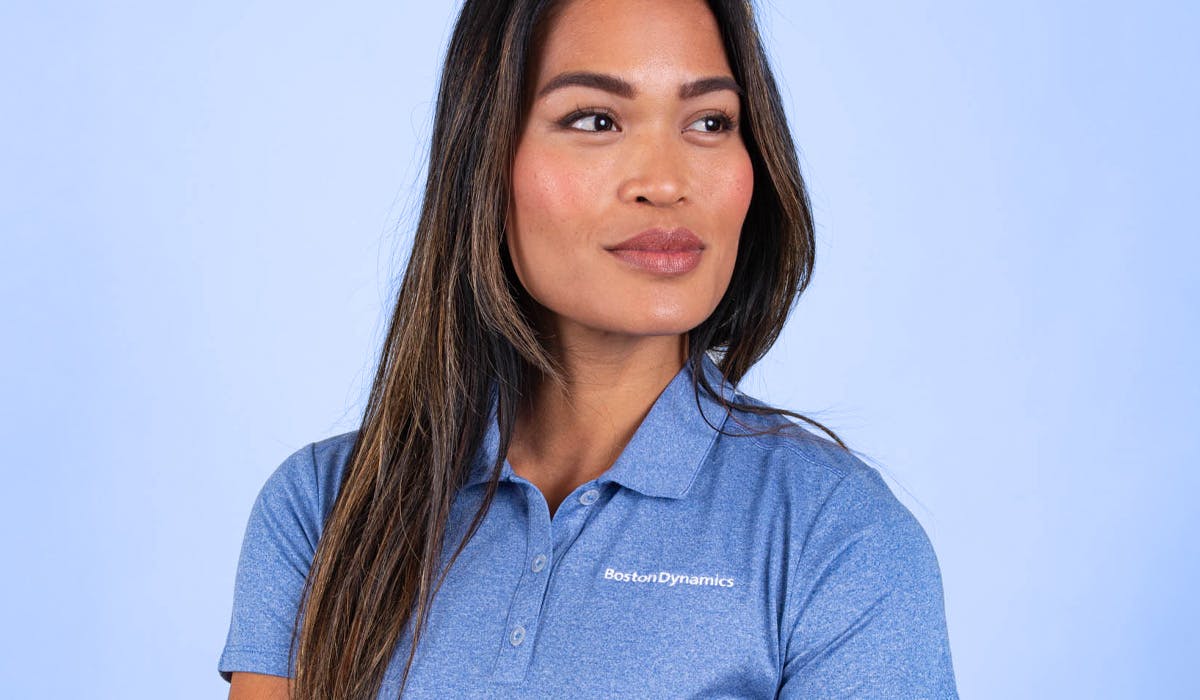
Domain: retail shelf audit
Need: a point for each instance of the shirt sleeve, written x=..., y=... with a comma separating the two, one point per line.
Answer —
x=866, y=611
x=277, y=550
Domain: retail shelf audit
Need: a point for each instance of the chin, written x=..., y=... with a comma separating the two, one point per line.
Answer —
x=631, y=316
x=660, y=324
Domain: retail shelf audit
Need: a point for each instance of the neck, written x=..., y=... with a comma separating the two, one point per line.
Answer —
x=567, y=437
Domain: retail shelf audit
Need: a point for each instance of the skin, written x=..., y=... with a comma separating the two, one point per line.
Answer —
x=619, y=332
x=258, y=686
x=652, y=159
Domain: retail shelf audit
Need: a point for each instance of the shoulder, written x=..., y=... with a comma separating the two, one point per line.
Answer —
x=830, y=498
x=281, y=538
x=783, y=454
x=862, y=605
x=307, y=481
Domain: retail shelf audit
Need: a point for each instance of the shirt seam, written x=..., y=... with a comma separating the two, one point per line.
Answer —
x=712, y=442
x=260, y=650
x=793, y=565
x=318, y=504
x=795, y=451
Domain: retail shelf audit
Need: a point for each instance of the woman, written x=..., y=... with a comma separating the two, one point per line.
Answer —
x=556, y=489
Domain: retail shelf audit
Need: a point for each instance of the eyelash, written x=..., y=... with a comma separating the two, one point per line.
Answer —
x=727, y=122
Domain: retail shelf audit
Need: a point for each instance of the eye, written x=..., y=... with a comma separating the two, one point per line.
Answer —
x=590, y=121
x=715, y=123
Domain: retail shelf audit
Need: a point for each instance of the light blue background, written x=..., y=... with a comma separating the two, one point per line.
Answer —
x=204, y=207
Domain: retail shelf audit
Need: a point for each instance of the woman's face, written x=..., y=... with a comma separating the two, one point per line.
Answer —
x=632, y=130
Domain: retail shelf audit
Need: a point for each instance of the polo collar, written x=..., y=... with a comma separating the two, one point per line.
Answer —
x=664, y=454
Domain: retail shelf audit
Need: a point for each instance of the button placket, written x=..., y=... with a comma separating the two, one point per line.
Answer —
x=570, y=521
x=516, y=652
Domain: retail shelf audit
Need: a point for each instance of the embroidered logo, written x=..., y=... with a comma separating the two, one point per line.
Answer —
x=667, y=578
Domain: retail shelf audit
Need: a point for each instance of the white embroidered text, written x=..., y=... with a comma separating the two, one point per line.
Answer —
x=667, y=578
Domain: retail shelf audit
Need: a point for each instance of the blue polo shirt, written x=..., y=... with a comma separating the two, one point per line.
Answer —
x=698, y=565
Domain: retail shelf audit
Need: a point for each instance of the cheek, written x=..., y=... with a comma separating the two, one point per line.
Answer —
x=539, y=186
x=739, y=187
x=551, y=188
x=537, y=190
x=731, y=194
x=549, y=216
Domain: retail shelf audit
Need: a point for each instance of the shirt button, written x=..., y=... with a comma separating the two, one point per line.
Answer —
x=539, y=562
x=589, y=497
x=517, y=636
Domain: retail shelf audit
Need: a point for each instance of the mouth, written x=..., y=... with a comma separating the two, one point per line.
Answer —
x=662, y=240
x=661, y=251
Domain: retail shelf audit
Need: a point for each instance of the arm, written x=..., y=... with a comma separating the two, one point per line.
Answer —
x=865, y=608
x=258, y=686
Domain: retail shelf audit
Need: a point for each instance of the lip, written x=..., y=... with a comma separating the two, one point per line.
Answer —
x=660, y=262
x=662, y=240
x=661, y=251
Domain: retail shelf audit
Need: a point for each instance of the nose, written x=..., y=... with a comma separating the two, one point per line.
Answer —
x=655, y=172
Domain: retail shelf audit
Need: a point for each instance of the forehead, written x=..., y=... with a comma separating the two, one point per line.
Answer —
x=647, y=42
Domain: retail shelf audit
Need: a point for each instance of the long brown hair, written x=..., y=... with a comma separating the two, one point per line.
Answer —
x=461, y=333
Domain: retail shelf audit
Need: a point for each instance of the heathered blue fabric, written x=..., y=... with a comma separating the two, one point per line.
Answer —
x=699, y=565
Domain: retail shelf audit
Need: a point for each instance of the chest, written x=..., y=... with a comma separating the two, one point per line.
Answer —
x=616, y=594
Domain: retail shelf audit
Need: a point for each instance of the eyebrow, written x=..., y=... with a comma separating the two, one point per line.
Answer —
x=621, y=88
